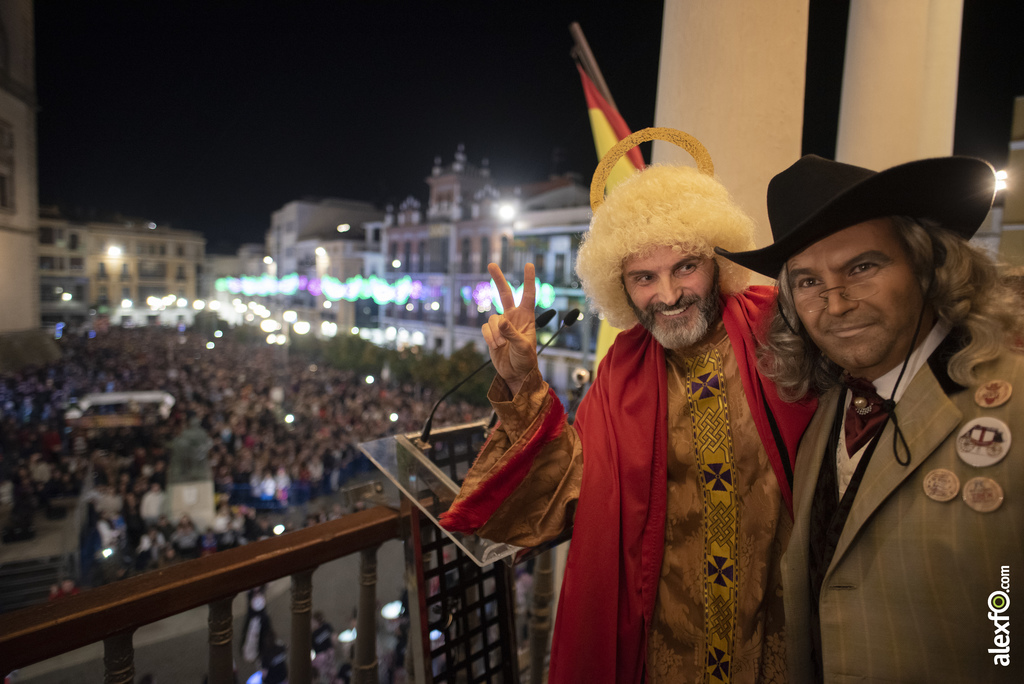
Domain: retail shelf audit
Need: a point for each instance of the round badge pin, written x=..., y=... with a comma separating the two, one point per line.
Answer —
x=983, y=494
x=993, y=393
x=983, y=442
x=941, y=485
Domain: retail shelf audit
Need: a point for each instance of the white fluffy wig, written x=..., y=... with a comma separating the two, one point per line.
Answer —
x=675, y=206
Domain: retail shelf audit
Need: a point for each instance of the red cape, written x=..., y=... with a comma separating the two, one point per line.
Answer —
x=611, y=578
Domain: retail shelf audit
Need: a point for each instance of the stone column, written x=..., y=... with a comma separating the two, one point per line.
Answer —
x=732, y=75
x=899, y=81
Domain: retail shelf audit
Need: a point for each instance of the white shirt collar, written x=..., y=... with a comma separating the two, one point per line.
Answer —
x=884, y=384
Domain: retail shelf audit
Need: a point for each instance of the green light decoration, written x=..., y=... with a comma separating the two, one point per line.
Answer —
x=484, y=294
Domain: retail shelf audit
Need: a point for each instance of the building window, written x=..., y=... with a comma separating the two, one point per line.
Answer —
x=466, y=249
x=77, y=264
x=181, y=250
x=102, y=273
x=506, y=255
x=181, y=273
x=73, y=241
x=45, y=235
x=163, y=250
x=47, y=263
x=407, y=261
x=6, y=165
x=485, y=252
x=125, y=273
x=152, y=269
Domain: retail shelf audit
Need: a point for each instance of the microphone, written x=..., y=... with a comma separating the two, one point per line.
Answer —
x=543, y=319
x=569, y=320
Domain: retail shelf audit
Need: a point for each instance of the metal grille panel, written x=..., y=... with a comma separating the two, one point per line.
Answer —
x=469, y=611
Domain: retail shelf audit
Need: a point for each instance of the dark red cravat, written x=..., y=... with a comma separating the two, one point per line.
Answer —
x=864, y=415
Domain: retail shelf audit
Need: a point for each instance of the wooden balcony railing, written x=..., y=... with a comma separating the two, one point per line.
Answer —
x=113, y=612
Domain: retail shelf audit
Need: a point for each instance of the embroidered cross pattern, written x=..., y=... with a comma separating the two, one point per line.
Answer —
x=712, y=439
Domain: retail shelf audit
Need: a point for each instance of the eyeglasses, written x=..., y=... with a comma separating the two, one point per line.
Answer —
x=815, y=299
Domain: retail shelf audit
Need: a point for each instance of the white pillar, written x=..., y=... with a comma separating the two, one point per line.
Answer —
x=899, y=81
x=732, y=75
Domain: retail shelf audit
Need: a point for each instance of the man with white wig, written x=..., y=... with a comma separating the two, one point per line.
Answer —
x=676, y=475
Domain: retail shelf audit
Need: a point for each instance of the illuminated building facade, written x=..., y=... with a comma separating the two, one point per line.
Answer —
x=312, y=245
x=18, y=185
x=310, y=240
x=127, y=271
x=469, y=222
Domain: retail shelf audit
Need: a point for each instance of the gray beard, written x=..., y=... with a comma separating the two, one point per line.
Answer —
x=673, y=336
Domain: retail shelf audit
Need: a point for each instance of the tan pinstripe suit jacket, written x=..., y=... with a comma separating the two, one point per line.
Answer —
x=906, y=596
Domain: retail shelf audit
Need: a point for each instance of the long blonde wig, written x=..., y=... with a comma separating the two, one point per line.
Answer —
x=675, y=206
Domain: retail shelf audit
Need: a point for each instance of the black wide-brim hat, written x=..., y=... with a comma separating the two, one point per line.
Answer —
x=816, y=197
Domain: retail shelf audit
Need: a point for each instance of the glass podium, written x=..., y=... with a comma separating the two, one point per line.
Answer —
x=429, y=476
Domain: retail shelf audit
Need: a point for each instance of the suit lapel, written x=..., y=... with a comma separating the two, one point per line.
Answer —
x=811, y=455
x=926, y=417
x=808, y=465
x=797, y=595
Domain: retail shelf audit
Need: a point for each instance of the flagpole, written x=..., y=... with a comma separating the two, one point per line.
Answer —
x=581, y=52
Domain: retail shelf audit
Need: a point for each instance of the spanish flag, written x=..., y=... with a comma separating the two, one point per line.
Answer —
x=609, y=128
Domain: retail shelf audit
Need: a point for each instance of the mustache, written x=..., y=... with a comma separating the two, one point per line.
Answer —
x=681, y=303
x=846, y=324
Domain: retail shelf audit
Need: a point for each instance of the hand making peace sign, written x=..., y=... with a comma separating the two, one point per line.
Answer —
x=512, y=336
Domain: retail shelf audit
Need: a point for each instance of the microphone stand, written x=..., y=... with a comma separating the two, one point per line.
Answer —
x=541, y=320
x=569, y=320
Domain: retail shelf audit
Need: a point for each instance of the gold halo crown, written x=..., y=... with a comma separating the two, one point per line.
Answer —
x=684, y=140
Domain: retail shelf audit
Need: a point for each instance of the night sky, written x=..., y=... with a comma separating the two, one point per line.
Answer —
x=211, y=114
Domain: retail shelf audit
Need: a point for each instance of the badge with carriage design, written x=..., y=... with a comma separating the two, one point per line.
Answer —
x=983, y=442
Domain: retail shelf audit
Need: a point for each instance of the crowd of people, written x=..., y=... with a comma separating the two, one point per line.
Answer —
x=260, y=463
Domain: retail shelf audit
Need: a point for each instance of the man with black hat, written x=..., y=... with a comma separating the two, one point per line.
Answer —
x=908, y=523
